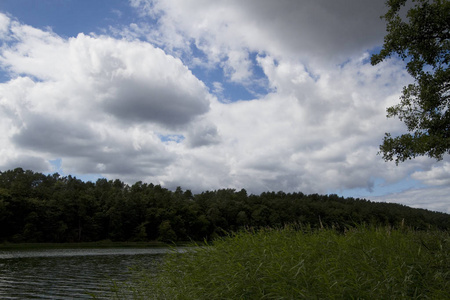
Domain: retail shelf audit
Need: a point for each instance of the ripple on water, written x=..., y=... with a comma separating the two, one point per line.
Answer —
x=68, y=275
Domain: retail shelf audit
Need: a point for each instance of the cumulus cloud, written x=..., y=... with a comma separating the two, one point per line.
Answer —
x=28, y=162
x=317, y=32
x=310, y=131
x=437, y=175
x=132, y=109
x=203, y=134
x=130, y=80
x=310, y=135
x=96, y=101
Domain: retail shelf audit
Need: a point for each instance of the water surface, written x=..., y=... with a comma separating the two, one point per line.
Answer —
x=70, y=273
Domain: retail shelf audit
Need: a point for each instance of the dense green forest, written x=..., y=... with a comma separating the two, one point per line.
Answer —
x=51, y=208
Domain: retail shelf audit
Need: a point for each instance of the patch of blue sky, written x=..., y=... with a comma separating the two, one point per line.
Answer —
x=177, y=138
x=225, y=89
x=56, y=165
x=374, y=50
x=68, y=18
x=315, y=77
x=379, y=187
x=257, y=70
x=344, y=63
x=260, y=79
x=228, y=91
x=237, y=92
x=366, y=60
x=4, y=76
x=57, y=168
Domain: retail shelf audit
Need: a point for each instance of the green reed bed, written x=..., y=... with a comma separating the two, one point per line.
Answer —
x=302, y=263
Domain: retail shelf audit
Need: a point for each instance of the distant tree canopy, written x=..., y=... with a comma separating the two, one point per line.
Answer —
x=49, y=208
x=422, y=39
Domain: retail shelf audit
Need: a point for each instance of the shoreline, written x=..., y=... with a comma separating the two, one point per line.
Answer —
x=99, y=244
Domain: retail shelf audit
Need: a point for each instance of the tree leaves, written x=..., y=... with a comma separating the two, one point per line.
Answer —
x=422, y=39
x=48, y=208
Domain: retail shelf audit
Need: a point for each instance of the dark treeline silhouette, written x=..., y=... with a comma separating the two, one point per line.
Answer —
x=50, y=208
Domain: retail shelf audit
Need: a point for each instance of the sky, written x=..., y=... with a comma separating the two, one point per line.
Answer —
x=258, y=94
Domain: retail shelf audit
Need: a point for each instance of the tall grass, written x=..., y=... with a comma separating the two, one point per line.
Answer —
x=301, y=263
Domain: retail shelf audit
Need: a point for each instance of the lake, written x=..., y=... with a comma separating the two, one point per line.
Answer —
x=70, y=273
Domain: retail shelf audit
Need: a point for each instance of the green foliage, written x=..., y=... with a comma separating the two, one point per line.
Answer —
x=166, y=233
x=423, y=40
x=302, y=263
x=50, y=208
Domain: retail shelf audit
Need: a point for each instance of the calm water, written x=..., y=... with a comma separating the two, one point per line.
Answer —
x=69, y=273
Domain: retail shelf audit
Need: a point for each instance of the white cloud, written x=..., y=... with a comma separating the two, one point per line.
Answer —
x=237, y=66
x=438, y=175
x=102, y=102
x=317, y=32
x=4, y=26
x=311, y=135
x=97, y=102
x=126, y=109
x=432, y=198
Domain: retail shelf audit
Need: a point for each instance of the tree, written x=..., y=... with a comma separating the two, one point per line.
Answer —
x=422, y=40
x=166, y=233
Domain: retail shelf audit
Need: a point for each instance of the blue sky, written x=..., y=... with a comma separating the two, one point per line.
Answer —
x=260, y=95
x=70, y=17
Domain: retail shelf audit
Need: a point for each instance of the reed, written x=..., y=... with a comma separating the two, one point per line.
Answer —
x=297, y=262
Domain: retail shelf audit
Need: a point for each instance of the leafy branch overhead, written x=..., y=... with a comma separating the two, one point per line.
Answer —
x=422, y=40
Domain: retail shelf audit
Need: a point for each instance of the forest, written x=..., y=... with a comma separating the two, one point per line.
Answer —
x=35, y=207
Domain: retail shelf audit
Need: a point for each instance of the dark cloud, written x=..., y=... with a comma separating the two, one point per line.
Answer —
x=50, y=134
x=27, y=162
x=131, y=165
x=321, y=31
x=90, y=150
x=203, y=135
x=120, y=108
x=167, y=105
x=321, y=28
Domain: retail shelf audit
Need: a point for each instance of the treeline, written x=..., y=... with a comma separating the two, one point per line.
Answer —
x=51, y=208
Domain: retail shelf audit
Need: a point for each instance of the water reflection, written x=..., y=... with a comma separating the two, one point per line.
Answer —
x=69, y=273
